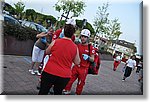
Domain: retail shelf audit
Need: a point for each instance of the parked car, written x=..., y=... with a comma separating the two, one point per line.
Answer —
x=34, y=26
x=11, y=20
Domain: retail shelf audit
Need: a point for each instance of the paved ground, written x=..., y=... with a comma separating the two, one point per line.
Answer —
x=17, y=80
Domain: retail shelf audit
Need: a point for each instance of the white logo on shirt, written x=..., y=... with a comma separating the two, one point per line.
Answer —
x=86, y=50
x=93, y=51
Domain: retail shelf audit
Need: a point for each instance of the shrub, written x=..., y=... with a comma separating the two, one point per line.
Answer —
x=19, y=32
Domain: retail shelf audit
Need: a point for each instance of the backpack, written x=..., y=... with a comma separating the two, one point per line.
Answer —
x=94, y=66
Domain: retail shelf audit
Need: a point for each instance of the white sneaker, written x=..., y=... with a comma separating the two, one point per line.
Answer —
x=37, y=72
x=32, y=72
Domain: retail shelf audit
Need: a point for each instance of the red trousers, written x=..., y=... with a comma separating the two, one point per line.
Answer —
x=79, y=73
x=116, y=63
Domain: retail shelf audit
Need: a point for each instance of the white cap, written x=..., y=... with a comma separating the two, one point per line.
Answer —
x=85, y=32
x=71, y=21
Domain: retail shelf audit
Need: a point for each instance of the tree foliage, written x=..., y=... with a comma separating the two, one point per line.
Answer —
x=9, y=8
x=109, y=29
x=77, y=8
x=19, y=8
x=30, y=14
x=102, y=19
x=19, y=32
x=79, y=24
x=112, y=31
x=67, y=6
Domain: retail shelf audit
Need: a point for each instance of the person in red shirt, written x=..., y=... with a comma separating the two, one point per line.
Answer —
x=57, y=33
x=80, y=71
x=117, y=61
x=57, y=71
x=97, y=61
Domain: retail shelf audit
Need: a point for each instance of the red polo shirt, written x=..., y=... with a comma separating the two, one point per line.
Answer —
x=63, y=53
x=83, y=49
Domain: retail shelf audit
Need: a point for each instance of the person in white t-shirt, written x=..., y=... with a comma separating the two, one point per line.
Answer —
x=117, y=61
x=130, y=65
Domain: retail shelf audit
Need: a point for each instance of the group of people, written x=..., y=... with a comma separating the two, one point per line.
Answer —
x=67, y=61
x=130, y=65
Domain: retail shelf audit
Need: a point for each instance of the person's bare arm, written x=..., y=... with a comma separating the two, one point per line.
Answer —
x=43, y=34
x=47, y=44
x=77, y=58
x=49, y=47
x=126, y=63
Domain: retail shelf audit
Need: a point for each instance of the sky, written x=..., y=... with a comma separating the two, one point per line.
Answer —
x=127, y=11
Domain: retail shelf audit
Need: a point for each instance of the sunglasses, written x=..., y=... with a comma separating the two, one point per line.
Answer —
x=84, y=36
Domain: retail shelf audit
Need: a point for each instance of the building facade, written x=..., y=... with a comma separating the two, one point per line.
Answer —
x=126, y=48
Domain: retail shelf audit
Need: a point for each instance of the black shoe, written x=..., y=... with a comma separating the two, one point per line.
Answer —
x=139, y=80
x=123, y=79
x=114, y=69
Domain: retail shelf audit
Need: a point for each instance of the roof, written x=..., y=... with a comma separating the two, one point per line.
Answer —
x=124, y=43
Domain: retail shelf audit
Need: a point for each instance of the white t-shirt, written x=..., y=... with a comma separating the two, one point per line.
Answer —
x=118, y=58
x=131, y=63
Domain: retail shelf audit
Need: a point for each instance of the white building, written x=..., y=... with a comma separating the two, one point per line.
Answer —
x=126, y=48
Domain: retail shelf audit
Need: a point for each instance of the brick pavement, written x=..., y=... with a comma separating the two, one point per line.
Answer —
x=18, y=81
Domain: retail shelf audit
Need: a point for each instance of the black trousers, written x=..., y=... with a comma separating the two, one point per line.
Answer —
x=128, y=71
x=138, y=69
x=47, y=80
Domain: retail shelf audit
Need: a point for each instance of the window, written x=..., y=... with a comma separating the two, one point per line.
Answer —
x=27, y=24
x=33, y=26
x=10, y=20
x=41, y=28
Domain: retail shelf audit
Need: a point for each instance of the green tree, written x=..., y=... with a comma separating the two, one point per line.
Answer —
x=109, y=29
x=19, y=8
x=79, y=24
x=30, y=14
x=101, y=20
x=112, y=31
x=49, y=19
x=70, y=6
x=9, y=8
x=89, y=26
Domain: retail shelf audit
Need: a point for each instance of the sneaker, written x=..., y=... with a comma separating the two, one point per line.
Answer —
x=139, y=80
x=114, y=69
x=66, y=92
x=37, y=72
x=123, y=79
x=40, y=69
x=32, y=72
